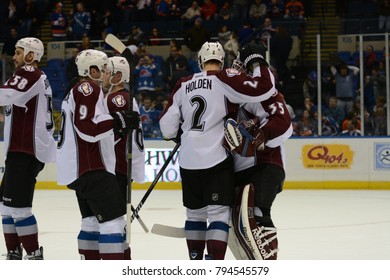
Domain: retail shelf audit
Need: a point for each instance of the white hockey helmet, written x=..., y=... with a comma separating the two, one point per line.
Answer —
x=119, y=64
x=211, y=51
x=31, y=44
x=88, y=58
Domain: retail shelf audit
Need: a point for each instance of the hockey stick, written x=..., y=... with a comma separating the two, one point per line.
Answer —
x=117, y=44
x=158, y=176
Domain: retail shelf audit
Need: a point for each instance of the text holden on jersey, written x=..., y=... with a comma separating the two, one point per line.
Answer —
x=201, y=83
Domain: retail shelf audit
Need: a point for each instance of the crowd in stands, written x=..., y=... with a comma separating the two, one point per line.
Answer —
x=144, y=23
x=341, y=99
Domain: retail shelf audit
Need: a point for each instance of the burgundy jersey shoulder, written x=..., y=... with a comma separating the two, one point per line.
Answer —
x=118, y=101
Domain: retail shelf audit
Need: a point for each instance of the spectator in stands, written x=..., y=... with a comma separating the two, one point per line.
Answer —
x=267, y=31
x=294, y=10
x=384, y=15
x=231, y=48
x=245, y=33
x=149, y=118
x=209, y=10
x=275, y=9
x=306, y=124
x=59, y=23
x=377, y=81
x=175, y=58
x=224, y=34
x=195, y=37
x=85, y=44
x=345, y=79
x=241, y=9
x=175, y=10
x=377, y=123
x=12, y=18
x=136, y=36
x=352, y=129
x=162, y=9
x=329, y=127
x=310, y=87
x=281, y=46
x=226, y=12
x=257, y=12
x=29, y=18
x=191, y=14
x=155, y=37
x=145, y=72
x=145, y=10
x=8, y=52
x=380, y=102
x=334, y=111
x=351, y=115
x=81, y=22
x=369, y=60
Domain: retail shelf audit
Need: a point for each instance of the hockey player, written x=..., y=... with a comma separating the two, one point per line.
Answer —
x=116, y=74
x=198, y=104
x=86, y=159
x=29, y=144
x=260, y=173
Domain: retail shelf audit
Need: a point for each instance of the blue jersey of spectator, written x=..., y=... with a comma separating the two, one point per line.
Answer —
x=81, y=22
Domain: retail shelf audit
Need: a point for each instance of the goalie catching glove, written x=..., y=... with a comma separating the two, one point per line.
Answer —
x=244, y=138
x=124, y=121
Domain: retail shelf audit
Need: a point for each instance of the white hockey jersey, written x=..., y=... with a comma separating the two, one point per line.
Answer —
x=29, y=125
x=118, y=101
x=86, y=138
x=200, y=102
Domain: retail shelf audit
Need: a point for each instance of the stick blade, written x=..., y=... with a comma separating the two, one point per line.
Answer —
x=168, y=231
x=115, y=43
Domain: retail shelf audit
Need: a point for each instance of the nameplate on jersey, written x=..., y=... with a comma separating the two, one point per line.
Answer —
x=119, y=101
x=199, y=84
x=85, y=88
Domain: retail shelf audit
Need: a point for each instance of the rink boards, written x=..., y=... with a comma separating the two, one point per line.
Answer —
x=311, y=163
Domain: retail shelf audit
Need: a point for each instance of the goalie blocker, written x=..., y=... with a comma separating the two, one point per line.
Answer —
x=247, y=239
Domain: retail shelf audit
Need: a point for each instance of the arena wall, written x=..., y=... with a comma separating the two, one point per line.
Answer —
x=311, y=163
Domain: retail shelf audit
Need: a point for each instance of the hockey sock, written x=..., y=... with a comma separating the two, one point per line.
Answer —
x=196, y=238
x=10, y=236
x=27, y=230
x=111, y=246
x=217, y=237
x=88, y=243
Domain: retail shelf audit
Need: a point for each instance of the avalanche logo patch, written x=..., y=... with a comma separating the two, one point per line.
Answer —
x=85, y=88
x=119, y=100
x=232, y=72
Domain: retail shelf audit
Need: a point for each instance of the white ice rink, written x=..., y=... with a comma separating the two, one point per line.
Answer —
x=312, y=225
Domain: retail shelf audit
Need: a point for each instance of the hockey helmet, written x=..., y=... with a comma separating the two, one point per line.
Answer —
x=31, y=44
x=211, y=51
x=88, y=58
x=119, y=64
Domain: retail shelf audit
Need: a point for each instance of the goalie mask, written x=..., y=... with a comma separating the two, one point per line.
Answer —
x=211, y=51
x=31, y=44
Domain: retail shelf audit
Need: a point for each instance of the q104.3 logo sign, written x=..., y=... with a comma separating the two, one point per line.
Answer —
x=382, y=156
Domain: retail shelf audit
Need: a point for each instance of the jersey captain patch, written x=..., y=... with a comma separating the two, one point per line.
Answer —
x=119, y=100
x=85, y=88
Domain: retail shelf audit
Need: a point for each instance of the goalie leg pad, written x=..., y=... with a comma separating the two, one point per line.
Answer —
x=258, y=242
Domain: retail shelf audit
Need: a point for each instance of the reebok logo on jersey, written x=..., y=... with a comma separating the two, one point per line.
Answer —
x=85, y=88
x=119, y=101
x=230, y=72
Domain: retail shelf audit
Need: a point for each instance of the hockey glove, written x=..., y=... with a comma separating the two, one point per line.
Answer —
x=250, y=54
x=124, y=121
x=245, y=138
